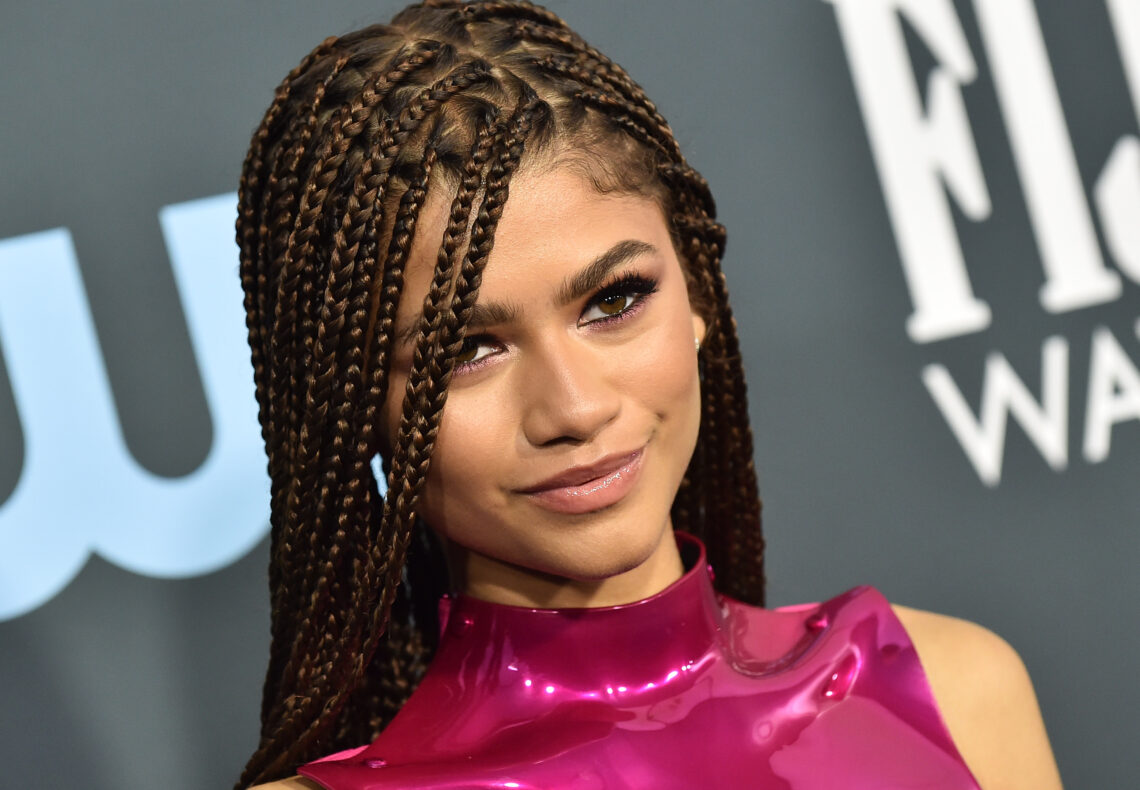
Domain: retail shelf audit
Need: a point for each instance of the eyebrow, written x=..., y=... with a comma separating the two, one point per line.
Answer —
x=482, y=315
x=572, y=288
x=594, y=274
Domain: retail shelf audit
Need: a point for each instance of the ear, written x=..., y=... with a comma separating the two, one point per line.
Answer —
x=699, y=328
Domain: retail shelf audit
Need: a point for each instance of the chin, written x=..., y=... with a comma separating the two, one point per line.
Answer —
x=608, y=550
x=606, y=568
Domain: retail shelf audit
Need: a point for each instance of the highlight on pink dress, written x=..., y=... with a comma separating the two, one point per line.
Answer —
x=685, y=689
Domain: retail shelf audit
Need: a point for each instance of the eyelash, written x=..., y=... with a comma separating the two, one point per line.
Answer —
x=632, y=285
x=635, y=286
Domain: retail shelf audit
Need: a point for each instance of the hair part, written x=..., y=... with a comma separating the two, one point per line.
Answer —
x=449, y=96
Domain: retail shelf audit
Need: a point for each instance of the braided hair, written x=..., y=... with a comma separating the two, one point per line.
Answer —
x=448, y=96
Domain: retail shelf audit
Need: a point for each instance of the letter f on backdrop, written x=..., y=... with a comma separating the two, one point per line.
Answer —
x=927, y=155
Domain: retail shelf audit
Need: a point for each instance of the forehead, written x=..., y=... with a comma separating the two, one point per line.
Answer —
x=554, y=222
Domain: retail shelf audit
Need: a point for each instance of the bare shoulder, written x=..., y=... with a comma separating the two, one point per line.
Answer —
x=292, y=783
x=987, y=700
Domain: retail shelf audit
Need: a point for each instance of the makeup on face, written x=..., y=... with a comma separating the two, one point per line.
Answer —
x=574, y=404
x=586, y=489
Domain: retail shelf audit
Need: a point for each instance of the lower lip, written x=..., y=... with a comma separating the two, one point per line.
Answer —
x=593, y=495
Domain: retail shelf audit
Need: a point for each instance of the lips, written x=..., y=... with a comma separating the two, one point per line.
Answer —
x=585, y=489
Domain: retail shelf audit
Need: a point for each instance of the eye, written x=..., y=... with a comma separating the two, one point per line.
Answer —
x=475, y=350
x=618, y=299
x=614, y=303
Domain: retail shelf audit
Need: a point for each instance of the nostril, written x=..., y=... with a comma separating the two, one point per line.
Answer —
x=566, y=394
x=565, y=441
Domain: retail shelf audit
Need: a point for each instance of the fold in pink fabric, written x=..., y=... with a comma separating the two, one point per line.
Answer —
x=686, y=689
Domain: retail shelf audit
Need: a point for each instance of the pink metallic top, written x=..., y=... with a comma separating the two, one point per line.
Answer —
x=686, y=689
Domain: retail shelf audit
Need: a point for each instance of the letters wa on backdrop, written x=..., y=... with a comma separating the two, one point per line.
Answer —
x=921, y=155
x=925, y=157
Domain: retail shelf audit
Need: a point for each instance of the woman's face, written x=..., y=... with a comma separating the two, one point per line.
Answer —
x=574, y=410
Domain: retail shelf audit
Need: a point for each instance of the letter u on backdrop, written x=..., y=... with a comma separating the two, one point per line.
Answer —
x=79, y=489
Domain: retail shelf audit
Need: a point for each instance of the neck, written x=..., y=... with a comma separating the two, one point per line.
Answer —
x=493, y=580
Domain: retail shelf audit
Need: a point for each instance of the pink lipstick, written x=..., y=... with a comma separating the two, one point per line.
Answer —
x=585, y=489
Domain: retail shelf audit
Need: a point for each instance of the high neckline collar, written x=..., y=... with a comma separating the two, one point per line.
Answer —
x=636, y=646
x=669, y=692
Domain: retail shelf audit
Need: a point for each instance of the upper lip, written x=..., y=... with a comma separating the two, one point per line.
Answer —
x=577, y=475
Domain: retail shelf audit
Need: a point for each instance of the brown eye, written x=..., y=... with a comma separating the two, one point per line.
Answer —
x=467, y=353
x=614, y=303
x=474, y=350
x=618, y=300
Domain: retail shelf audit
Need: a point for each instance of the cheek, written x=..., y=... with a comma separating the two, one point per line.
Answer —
x=661, y=364
x=446, y=473
x=466, y=463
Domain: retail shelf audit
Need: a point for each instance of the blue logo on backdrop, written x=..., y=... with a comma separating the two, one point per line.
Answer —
x=109, y=504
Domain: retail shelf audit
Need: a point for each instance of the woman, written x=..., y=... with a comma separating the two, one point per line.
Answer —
x=553, y=385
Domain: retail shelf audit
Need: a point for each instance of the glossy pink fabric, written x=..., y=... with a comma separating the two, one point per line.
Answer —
x=687, y=689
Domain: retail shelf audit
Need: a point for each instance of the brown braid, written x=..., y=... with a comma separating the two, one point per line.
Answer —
x=450, y=96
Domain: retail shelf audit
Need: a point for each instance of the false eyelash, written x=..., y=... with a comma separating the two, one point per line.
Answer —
x=630, y=284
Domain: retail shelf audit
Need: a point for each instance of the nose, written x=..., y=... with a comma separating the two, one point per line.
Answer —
x=568, y=397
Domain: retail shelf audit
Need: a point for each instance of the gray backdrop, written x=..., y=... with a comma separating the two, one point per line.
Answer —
x=884, y=168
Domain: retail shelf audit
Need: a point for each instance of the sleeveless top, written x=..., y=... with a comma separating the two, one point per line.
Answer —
x=685, y=689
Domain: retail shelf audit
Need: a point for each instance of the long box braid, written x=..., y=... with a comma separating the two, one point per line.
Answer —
x=453, y=96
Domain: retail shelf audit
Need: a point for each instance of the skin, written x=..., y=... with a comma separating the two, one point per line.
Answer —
x=986, y=699
x=555, y=383
x=547, y=388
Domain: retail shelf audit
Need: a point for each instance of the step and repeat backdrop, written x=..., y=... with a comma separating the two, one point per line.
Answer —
x=934, y=256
